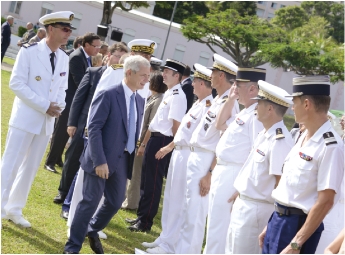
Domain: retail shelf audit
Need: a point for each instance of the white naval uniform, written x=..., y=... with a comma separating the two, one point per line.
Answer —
x=30, y=127
x=204, y=141
x=255, y=182
x=313, y=167
x=232, y=151
x=175, y=185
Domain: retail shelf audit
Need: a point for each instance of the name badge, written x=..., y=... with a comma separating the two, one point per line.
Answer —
x=63, y=74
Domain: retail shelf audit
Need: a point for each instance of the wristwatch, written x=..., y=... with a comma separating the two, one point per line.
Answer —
x=142, y=145
x=210, y=171
x=295, y=246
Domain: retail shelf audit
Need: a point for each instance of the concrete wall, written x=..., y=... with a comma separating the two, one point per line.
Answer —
x=143, y=25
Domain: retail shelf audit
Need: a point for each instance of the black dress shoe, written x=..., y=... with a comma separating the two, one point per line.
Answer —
x=59, y=198
x=64, y=214
x=50, y=168
x=136, y=228
x=131, y=221
x=96, y=245
x=60, y=164
x=70, y=252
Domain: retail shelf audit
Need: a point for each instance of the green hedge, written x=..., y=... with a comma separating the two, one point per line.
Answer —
x=3, y=20
x=21, y=31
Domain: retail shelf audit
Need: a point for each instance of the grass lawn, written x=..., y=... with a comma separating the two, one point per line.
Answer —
x=9, y=61
x=48, y=232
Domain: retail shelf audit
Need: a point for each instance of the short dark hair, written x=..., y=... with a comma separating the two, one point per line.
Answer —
x=77, y=40
x=89, y=37
x=321, y=103
x=118, y=46
x=279, y=109
x=179, y=75
x=186, y=71
x=156, y=82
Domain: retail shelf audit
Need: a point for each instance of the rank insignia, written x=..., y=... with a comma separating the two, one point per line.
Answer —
x=38, y=78
x=260, y=152
x=211, y=114
x=305, y=157
x=239, y=121
x=164, y=102
x=329, y=138
x=175, y=92
x=279, y=134
x=208, y=119
x=208, y=103
x=63, y=74
x=194, y=118
x=206, y=126
x=188, y=124
x=224, y=98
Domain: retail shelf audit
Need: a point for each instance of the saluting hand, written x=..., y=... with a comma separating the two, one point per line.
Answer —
x=102, y=171
x=233, y=93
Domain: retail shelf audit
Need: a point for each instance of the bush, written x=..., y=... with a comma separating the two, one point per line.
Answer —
x=3, y=20
x=21, y=31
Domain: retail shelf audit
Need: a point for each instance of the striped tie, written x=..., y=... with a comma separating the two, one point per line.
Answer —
x=131, y=126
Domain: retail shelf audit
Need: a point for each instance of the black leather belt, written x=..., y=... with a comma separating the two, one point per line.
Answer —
x=157, y=134
x=284, y=210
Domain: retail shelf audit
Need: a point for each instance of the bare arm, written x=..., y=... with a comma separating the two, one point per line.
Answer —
x=141, y=149
x=277, y=180
x=205, y=182
x=175, y=126
x=226, y=109
x=165, y=150
x=334, y=247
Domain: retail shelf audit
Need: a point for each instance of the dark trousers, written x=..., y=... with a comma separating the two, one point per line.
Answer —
x=4, y=47
x=114, y=189
x=72, y=156
x=281, y=230
x=59, y=139
x=152, y=174
x=67, y=202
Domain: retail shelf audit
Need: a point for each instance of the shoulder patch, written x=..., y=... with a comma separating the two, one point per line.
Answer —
x=175, y=92
x=279, y=134
x=329, y=138
x=224, y=98
x=63, y=51
x=117, y=66
x=27, y=45
x=208, y=103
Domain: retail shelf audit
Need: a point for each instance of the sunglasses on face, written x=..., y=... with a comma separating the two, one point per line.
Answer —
x=65, y=29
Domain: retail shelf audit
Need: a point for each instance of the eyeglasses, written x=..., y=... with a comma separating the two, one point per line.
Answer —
x=65, y=29
x=97, y=47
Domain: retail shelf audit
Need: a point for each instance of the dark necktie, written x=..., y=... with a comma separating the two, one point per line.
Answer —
x=52, y=56
x=89, y=61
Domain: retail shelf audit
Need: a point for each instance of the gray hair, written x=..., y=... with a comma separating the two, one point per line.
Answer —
x=134, y=63
x=9, y=17
x=41, y=29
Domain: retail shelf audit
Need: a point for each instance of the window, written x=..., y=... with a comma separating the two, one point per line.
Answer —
x=282, y=6
x=179, y=52
x=15, y=6
x=158, y=42
x=274, y=5
x=260, y=12
x=270, y=16
x=46, y=8
x=262, y=2
x=128, y=35
x=77, y=19
x=204, y=58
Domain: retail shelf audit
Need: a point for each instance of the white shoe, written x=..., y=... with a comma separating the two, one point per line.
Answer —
x=102, y=235
x=150, y=245
x=19, y=220
x=156, y=250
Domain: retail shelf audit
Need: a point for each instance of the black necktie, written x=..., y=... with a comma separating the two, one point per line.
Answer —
x=52, y=56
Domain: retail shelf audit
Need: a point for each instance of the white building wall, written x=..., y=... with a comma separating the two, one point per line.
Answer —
x=143, y=25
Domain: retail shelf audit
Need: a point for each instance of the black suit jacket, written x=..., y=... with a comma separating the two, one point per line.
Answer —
x=188, y=90
x=5, y=33
x=77, y=68
x=83, y=96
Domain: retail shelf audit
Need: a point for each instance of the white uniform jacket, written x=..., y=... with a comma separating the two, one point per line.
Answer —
x=35, y=87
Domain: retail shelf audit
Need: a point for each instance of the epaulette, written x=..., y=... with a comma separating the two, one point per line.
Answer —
x=27, y=45
x=116, y=66
x=329, y=138
x=279, y=134
x=175, y=92
x=224, y=98
x=64, y=51
x=208, y=103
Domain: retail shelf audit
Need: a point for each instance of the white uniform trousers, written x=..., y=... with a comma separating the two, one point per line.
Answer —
x=173, y=205
x=248, y=219
x=22, y=156
x=218, y=219
x=192, y=233
x=78, y=196
x=333, y=224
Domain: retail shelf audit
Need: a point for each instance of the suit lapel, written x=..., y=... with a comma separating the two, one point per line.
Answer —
x=43, y=57
x=122, y=103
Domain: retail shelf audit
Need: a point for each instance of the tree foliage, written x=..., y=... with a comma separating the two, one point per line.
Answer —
x=308, y=50
x=109, y=7
x=290, y=17
x=242, y=7
x=237, y=36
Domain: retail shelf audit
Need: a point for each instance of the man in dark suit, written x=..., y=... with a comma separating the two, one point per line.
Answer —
x=114, y=126
x=187, y=87
x=79, y=61
x=6, y=35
